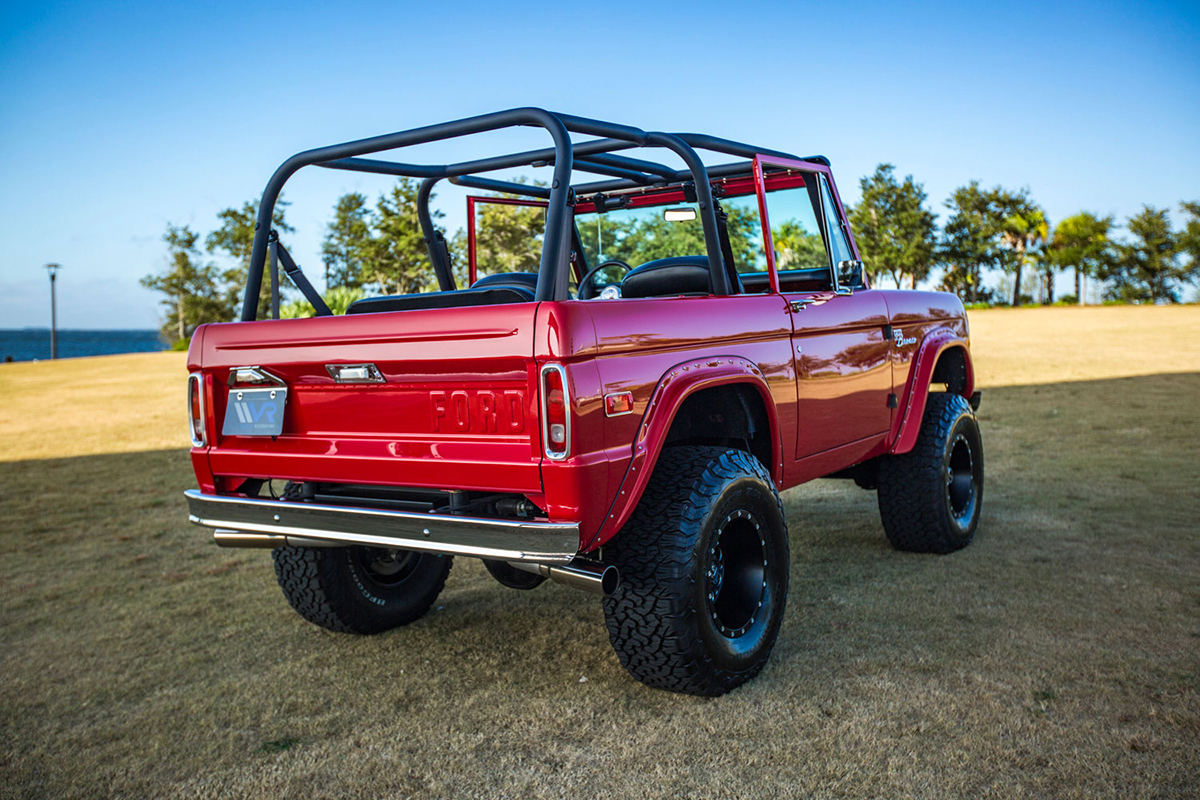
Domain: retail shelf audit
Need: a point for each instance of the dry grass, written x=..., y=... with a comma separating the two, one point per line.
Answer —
x=92, y=406
x=1057, y=656
x=1024, y=346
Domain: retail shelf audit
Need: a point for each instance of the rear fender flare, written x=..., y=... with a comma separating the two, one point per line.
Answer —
x=674, y=387
x=908, y=422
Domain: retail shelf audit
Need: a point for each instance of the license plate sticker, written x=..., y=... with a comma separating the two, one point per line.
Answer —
x=254, y=412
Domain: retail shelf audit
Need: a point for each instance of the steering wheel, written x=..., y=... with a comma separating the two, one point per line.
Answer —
x=587, y=289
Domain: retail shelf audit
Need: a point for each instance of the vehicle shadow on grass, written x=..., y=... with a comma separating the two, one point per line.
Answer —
x=1083, y=479
x=125, y=631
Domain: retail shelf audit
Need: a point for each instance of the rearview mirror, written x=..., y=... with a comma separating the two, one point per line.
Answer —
x=850, y=274
x=679, y=214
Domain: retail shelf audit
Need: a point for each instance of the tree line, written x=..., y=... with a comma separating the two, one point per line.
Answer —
x=1002, y=231
x=987, y=231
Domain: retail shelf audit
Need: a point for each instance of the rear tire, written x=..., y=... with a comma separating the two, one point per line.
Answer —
x=508, y=575
x=930, y=498
x=360, y=589
x=704, y=573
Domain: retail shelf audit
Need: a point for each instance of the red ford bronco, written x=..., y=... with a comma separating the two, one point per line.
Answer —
x=694, y=340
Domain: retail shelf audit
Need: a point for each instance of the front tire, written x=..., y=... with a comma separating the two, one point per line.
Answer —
x=931, y=497
x=704, y=573
x=360, y=589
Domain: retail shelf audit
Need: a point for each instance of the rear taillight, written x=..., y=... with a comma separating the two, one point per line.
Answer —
x=556, y=416
x=195, y=392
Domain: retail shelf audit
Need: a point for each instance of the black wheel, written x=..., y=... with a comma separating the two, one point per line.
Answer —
x=360, y=589
x=508, y=575
x=704, y=573
x=930, y=498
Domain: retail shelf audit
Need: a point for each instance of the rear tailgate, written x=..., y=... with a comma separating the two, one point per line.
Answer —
x=457, y=408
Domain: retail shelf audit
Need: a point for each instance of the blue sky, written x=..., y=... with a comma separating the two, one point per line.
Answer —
x=116, y=119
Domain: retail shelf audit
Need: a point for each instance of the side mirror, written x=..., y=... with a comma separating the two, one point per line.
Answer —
x=850, y=274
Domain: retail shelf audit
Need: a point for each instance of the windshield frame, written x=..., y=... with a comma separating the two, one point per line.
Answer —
x=758, y=183
x=759, y=164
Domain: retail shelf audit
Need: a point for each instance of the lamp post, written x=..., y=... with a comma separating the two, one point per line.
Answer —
x=53, y=270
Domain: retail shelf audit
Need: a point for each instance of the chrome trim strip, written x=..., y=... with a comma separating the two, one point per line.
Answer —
x=545, y=419
x=506, y=540
x=822, y=190
x=198, y=379
x=264, y=541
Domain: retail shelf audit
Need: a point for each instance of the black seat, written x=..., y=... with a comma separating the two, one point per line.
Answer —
x=482, y=296
x=527, y=280
x=664, y=277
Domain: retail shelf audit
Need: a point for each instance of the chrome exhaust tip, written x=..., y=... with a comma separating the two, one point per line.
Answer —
x=590, y=576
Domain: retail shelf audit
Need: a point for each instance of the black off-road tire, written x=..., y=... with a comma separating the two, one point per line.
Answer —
x=360, y=589
x=674, y=623
x=930, y=498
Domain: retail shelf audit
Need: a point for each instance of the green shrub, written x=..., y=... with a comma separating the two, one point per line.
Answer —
x=338, y=299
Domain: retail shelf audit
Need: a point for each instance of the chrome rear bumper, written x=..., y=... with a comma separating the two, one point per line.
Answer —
x=312, y=523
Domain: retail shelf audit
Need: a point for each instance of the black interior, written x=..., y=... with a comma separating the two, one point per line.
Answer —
x=475, y=296
x=791, y=280
x=663, y=277
x=514, y=280
x=669, y=276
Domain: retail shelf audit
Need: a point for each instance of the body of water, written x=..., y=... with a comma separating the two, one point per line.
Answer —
x=32, y=344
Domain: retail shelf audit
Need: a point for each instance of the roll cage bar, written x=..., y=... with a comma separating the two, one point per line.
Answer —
x=596, y=156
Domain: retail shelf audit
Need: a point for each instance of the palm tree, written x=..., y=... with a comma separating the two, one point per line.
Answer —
x=1082, y=241
x=1025, y=227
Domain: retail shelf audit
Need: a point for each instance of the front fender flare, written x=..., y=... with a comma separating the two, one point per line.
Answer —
x=673, y=388
x=908, y=422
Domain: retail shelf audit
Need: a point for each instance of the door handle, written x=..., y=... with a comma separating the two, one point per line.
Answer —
x=798, y=305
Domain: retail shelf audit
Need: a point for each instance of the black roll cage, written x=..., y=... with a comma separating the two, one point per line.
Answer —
x=596, y=156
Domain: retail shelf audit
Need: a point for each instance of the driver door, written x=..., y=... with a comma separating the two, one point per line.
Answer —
x=843, y=375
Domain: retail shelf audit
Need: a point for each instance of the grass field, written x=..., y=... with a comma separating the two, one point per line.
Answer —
x=1058, y=656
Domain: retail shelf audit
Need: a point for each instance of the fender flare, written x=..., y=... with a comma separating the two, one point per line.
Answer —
x=908, y=423
x=674, y=387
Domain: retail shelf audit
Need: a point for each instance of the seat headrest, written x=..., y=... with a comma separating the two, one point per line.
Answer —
x=526, y=279
x=668, y=276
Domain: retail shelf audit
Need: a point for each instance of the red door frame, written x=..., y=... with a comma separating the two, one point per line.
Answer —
x=781, y=182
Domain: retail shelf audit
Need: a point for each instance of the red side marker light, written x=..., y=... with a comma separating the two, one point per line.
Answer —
x=618, y=404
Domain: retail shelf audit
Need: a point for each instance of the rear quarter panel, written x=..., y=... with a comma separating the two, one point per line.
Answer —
x=629, y=346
